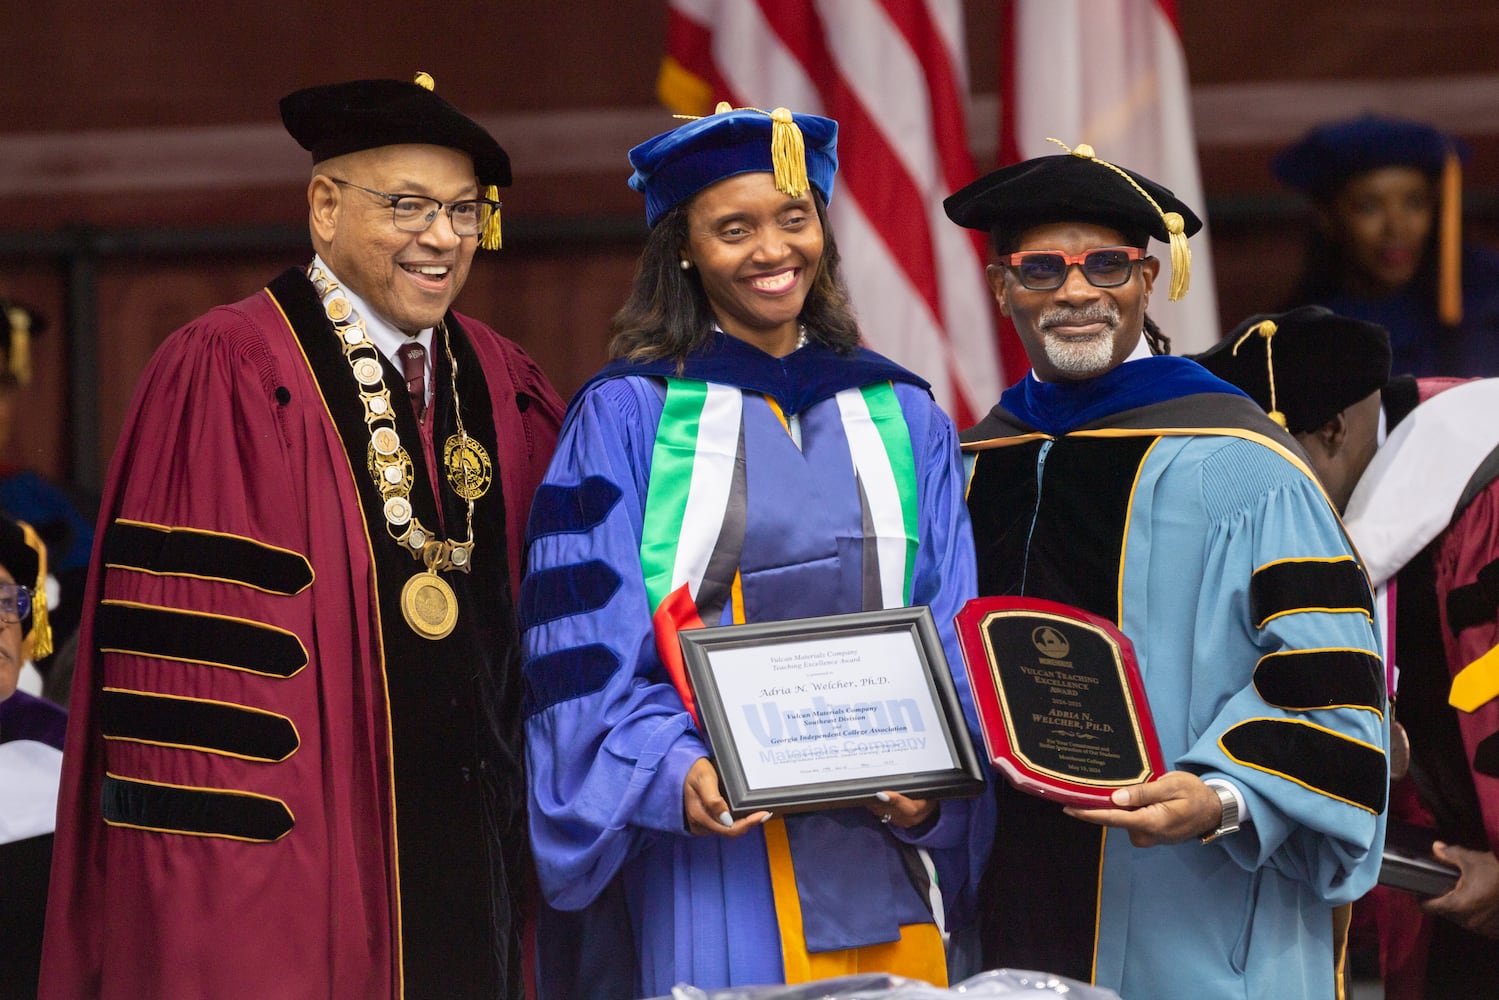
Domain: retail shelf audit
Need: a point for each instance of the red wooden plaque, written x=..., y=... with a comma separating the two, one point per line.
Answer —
x=1059, y=697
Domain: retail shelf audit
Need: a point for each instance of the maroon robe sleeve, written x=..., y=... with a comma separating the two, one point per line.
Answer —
x=1469, y=546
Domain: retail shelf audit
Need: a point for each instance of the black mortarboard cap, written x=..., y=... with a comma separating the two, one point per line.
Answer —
x=1076, y=186
x=1306, y=365
x=337, y=118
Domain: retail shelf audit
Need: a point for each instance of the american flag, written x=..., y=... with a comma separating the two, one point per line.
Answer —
x=894, y=75
x=1112, y=73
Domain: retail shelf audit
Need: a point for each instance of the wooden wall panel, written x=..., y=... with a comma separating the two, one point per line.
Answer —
x=38, y=436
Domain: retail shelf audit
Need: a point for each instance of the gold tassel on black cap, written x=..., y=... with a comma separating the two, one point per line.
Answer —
x=1181, y=254
x=1265, y=328
x=489, y=239
x=41, y=631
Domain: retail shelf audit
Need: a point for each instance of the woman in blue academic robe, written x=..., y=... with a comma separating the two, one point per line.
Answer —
x=741, y=460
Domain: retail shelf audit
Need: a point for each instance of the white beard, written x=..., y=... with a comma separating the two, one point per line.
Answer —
x=1080, y=358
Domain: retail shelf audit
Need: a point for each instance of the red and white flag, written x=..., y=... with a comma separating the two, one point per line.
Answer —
x=894, y=75
x=1112, y=73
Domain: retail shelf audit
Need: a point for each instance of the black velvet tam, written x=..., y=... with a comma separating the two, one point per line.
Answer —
x=1323, y=363
x=338, y=118
x=1067, y=188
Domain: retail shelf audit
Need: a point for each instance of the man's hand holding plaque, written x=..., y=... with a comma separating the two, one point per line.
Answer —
x=1059, y=697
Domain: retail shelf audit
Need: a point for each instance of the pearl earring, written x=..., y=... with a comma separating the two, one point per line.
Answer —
x=685, y=264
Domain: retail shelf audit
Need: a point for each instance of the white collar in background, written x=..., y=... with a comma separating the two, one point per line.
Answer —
x=29, y=774
x=1408, y=494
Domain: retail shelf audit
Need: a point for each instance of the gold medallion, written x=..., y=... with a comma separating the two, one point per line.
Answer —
x=469, y=471
x=429, y=606
x=385, y=440
x=367, y=371
x=392, y=473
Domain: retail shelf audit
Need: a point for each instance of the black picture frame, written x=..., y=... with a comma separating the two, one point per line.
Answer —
x=960, y=775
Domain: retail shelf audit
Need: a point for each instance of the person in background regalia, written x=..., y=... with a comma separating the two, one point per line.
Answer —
x=1386, y=245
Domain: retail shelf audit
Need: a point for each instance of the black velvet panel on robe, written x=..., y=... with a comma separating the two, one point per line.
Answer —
x=1459, y=962
x=24, y=868
x=454, y=702
x=1042, y=914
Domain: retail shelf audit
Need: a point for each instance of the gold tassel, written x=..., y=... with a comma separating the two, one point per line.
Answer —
x=490, y=238
x=20, y=343
x=1181, y=254
x=788, y=154
x=1265, y=328
x=1450, y=243
x=41, y=631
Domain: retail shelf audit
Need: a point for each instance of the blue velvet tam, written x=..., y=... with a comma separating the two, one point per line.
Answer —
x=1327, y=156
x=338, y=118
x=675, y=165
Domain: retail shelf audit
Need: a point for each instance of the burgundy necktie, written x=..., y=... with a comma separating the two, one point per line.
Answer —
x=414, y=367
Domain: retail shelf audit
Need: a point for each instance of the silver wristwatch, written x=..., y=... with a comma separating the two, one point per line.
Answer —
x=1230, y=821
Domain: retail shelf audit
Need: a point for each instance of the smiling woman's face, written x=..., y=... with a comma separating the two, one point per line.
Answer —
x=1383, y=220
x=756, y=251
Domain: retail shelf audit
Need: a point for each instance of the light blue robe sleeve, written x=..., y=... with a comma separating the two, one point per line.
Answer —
x=1306, y=745
x=609, y=743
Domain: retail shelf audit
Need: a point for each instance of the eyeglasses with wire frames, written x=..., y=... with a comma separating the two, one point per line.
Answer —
x=414, y=213
x=15, y=602
x=1046, y=270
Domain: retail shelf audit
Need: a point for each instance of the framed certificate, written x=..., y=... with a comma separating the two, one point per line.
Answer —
x=1061, y=704
x=817, y=713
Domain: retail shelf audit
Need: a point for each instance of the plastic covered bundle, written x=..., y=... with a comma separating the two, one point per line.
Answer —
x=879, y=986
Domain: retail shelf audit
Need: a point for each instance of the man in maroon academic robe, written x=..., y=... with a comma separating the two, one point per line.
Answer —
x=293, y=768
x=1414, y=463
